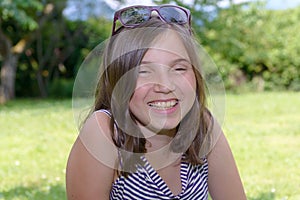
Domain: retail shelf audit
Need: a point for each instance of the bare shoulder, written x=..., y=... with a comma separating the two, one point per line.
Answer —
x=90, y=168
x=98, y=121
x=223, y=177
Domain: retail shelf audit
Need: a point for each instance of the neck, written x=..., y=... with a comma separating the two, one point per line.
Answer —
x=159, y=154
x=158, y=147
x=157, y=139
x=149, y=132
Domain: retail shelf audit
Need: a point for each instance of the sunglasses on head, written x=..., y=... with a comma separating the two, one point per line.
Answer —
x=133, y=16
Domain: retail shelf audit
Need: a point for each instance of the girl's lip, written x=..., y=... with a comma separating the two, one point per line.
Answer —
x=163, y=105
x=163, y=100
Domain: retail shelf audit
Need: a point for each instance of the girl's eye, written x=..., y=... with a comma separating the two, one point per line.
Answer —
x=180, y=68
x=144, y=71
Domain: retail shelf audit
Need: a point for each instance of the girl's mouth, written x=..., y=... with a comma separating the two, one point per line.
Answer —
x=163, y=105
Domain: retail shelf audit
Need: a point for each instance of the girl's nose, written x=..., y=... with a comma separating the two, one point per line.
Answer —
x=164, y=83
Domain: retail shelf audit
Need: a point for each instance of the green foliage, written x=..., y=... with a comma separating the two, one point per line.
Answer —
x=257, y=46
x=22, y=12
x=202, y=11
x=57, y=53
x=93, y=32
x=254, y=48
x=61, y=88
x=54, y=50
x=98, y=30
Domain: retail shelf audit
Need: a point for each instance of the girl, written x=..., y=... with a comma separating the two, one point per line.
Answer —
x=150, y=134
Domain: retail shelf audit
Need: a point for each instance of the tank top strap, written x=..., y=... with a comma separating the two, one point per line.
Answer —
x=104, y=111
x=108, y=113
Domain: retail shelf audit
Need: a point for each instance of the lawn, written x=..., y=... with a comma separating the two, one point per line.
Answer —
x=35, y=139
x=263, y=130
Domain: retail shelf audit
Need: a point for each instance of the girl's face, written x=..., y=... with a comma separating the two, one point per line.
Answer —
x=166, y=86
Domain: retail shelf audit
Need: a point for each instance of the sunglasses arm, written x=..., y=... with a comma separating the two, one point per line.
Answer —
x=116, y=16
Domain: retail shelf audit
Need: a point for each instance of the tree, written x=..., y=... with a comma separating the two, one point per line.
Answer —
x=257, y=46
x=17, y=22
x=39, y=45
x=50, y=45
x=37, y=30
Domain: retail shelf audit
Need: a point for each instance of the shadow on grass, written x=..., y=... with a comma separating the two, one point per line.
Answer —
x=37, y=104
x=264, y=196
x=51, y=192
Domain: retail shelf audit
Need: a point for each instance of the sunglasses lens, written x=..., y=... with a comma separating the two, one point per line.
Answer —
x=134, y=16
x=174, y=15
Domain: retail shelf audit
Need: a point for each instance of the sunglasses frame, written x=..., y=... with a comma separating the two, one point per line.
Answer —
x=117, y=15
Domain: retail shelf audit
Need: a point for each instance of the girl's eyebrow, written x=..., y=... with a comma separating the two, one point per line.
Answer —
x=180, y=60
x=171, y=64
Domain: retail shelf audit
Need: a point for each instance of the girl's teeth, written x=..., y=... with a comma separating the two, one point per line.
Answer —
x=163, y=105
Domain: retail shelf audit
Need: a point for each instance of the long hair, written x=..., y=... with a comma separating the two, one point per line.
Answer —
x=123, y=53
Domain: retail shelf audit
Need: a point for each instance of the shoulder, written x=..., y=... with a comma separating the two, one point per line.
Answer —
x=96, y=136
x=97, y=121
x=92, y=160
x=221, y=170
x=213, y=136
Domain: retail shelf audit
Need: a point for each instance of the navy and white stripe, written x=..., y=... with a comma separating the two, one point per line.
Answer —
x=146, y=184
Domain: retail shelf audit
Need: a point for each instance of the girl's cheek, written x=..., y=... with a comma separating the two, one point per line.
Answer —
x=143, y=85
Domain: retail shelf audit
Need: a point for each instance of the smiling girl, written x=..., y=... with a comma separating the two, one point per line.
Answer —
x=150, y=134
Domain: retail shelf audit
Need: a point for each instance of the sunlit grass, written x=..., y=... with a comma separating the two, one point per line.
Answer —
x=34, y=141
x=263, y=130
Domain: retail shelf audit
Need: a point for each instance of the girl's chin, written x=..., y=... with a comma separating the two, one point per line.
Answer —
x=161, y=128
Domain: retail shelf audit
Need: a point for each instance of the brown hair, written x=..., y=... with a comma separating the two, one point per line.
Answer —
x=123, y=53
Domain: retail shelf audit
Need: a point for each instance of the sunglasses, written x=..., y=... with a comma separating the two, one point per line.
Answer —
x=133, y=16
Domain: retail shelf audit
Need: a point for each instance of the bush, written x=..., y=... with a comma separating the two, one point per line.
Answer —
x=61, y=88
x=256, y=46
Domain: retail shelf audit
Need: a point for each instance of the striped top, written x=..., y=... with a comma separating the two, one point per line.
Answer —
x=146, y=184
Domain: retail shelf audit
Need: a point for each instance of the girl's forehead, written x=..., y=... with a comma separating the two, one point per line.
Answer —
x=162, y=56
x=170, y=42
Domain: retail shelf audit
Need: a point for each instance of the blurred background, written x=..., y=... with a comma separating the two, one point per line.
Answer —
x=43, y=42
x=255, y=44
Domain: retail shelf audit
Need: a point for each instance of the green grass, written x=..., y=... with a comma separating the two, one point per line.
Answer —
x=263, y=130
x=35, y=139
